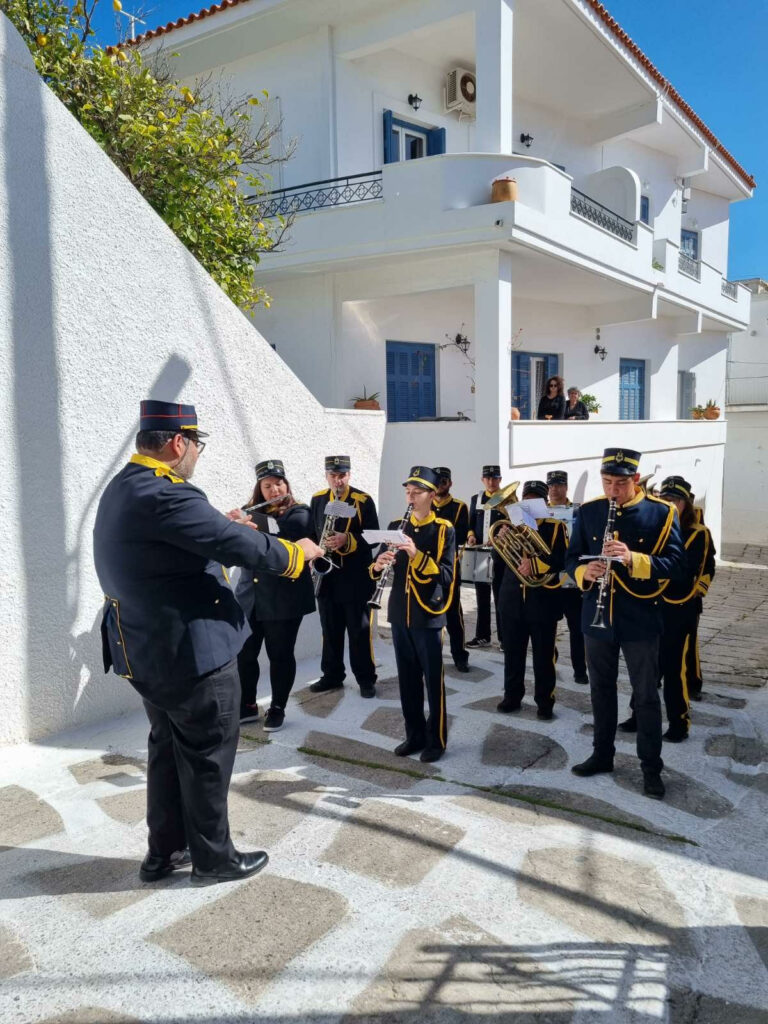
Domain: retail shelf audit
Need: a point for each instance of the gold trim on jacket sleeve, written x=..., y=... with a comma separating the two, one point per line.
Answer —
x=640, y=566
x=578, y=575
x=295, y=559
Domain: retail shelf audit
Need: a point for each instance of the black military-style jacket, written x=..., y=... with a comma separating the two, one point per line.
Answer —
x=457, y=513
x=422, y=589
x=688, y=591
x=350, y=581
x=477, y=517
x=159, y=547
x=538, y=604
x=649, y=527
x=269, y=598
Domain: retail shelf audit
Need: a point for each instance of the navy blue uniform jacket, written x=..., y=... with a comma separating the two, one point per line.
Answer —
x=538, y=604
x=349, y=582
x=159, y=546
x=265, y=597
x=649, y=527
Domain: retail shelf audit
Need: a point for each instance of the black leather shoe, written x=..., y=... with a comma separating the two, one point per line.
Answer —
x=582, y=680
x=461, y=666
x=653, y=787
x=628, y=725
x=507, y=706
x=242, y=866
x=544, y=715
x=367, y=690
x=153, y=868
x=592, y=766
x=323, y=685
x=675, y=737
x=431, y=754
x=409, y=747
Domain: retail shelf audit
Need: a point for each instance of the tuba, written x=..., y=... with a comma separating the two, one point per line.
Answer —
x=519, y=542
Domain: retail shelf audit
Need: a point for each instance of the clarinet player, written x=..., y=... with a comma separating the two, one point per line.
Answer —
x=423, y=572
x=623, y=612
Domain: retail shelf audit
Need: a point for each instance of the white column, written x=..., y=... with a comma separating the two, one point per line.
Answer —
x=493, y=330
x=493, y=62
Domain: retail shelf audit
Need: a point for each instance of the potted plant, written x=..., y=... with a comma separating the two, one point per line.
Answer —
x=591, y=403
x=697, y=412
x=711, y=411
x=366, y=401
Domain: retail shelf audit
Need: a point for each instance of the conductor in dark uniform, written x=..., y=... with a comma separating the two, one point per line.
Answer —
x=173, y=629
x=646, y=541
x=342, y=599
x=481, y=520
x=457, y=513
x=422, y=587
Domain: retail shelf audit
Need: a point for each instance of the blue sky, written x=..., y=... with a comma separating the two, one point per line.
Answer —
x=712, y=52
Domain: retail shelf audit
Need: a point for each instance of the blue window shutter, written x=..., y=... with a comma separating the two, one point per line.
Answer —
x=390, y=156
x=645, y=209
x=553, y=365
x=631, y=389
x=689, y=243
x=411, y=381
x=435, y=141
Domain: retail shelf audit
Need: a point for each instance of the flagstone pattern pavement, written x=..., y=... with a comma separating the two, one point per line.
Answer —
x=492, y=886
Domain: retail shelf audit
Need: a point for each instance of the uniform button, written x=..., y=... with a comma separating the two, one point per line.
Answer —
x=114, y=604
x=119, y=643
x=618, y=513
x=216, y=601
x=255, y=579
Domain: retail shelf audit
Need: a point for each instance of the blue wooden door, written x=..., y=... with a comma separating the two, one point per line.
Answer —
x=411, y=381
x=525, y=392
x=632, y=389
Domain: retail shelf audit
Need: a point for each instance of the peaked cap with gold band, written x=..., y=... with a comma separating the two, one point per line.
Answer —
x=154, y=415
x=620, y=462
x=270, y=467
x=424, y=477
x=557, y=476
x=337, y=464
x=676, y=487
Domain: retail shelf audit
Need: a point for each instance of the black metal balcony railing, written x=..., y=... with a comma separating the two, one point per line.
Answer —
x=729, y=288
x=601, y=215
x=315, y=195
x=689, y=266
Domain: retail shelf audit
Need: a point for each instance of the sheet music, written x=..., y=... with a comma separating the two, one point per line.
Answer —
x=374, y=537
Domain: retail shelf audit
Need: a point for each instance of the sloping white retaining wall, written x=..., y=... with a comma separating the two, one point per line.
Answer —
x=100, y=306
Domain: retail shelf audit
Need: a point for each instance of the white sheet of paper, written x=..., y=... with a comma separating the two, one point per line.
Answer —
x=519, y=513
x=535, y=507
x=384, y=537
x=603, y=558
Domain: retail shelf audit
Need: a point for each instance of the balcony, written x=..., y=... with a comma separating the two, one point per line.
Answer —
x=317, y=195
x=591, y=210
x=730, y=289
x=689, y=266
x=699, y=284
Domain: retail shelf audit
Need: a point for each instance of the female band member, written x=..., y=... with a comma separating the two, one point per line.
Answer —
x=552, y=402
x=274, y=605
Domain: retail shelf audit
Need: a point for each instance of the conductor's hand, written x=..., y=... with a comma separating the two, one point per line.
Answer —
x=336, y=541
x=383, y=560
x=594, y=571
x=409, y=547
x=310, y=549
x=237, y=516
x=618, y=549
x=471, y=540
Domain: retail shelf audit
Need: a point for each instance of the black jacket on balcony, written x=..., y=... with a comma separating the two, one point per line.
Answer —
x=552, y=407
x=578, y=412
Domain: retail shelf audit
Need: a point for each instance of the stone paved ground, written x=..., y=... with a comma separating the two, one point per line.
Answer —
x=493, y=886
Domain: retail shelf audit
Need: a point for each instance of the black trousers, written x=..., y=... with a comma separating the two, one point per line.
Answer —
x=454, y=623
x=192, y=745
x=419, y=657
x=516, y=633
x=571, y=598
x=693, y=661
x=353, y=618
x=483, y=594
x=677, y=658
x=642, y=658
x=280, y=638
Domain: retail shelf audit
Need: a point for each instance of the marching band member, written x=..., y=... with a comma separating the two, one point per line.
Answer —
x=694, y=661
x=343, y=597
x=532, y=613
x=570, y=595
x=456, y=512
x=274, y=605
x=621, y=610
x=422, y=589
x=480, y=522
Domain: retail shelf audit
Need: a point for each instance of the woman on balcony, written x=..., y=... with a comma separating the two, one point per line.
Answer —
x=552, y=402
x=574, y=407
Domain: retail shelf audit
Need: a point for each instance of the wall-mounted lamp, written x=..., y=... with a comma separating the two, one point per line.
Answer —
x=526, y=139
x=415, y=100
x=460, y=340
x=602, y=352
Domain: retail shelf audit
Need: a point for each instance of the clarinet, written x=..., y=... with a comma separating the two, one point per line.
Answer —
x=599, y=620
x=378, y=594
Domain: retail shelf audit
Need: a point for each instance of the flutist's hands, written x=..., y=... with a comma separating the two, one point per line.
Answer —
x=336, y=541
x=238, y=516
x=310, y=549
x=618, y=549
x=383, y=560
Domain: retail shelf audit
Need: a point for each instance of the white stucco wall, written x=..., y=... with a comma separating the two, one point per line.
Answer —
x=100, y=306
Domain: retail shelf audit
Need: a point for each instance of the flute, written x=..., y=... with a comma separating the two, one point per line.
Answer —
x=598, y=622
x=378, y=593
x=273, y=501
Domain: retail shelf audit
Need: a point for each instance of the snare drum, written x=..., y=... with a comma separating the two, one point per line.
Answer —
x=477, y=565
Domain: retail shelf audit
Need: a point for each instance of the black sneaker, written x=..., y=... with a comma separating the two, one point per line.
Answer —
x=507, y=706
x=408, y=747
x=431, y=754
x=323, y=685
x=501, y=646
x=367, y=690
x=582, y=680
x=478, y=642
x=653, y=786
x=592, y=766
x=675, y=737
x=249, y=713
x=461, y=666
x=544, y=714
x=274, y=719
x=628, y=725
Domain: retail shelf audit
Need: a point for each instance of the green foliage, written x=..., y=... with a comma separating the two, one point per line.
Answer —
x=591, y=403
x=192, y=155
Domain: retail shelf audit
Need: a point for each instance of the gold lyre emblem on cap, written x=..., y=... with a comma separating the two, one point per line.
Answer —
x=270, y=465
x=619, y=456
x=417, y=471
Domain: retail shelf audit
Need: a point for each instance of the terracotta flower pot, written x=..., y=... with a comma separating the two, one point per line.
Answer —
x=504, y=190
x=712, y=412
x=366, y=403
x=697, y=414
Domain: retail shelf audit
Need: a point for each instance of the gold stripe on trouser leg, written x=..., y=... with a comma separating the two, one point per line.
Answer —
x=370, y=633
x=686, y=717
x=696, y=655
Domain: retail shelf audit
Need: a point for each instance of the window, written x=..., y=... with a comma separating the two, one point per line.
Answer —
x=631, y=389
x=530, y=373
x=686, y=393
x=689, y=243
x=411, y=378
x=404, y=140
x=645, y=209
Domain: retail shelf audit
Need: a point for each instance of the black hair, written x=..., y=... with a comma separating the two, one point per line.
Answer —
x=154, y=440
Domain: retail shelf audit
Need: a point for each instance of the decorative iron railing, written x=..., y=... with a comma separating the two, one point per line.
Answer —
x=689, y=266
x=315, y=195
x=729, y=288
x=593, y=211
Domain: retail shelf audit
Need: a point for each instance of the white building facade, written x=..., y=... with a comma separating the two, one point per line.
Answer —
x=609, y=268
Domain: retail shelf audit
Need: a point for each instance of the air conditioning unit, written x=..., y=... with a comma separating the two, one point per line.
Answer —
x=461, y=91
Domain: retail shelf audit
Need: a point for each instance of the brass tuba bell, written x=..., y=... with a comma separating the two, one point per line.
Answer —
x=519, y=541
